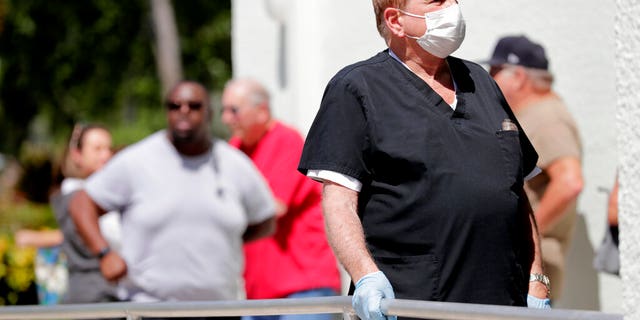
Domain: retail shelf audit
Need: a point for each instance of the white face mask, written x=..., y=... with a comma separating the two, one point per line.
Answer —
x=445, y=31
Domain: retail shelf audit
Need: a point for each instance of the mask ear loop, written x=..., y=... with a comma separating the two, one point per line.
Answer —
x=415, y=16
x=412, y=14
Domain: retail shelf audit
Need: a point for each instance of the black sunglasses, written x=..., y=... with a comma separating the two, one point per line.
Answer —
x=193, y=105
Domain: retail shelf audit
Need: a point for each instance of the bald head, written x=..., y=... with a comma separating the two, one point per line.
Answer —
x=252, y=90
x=246, y=110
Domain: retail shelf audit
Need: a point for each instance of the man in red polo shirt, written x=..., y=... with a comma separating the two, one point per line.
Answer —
x=297, y=260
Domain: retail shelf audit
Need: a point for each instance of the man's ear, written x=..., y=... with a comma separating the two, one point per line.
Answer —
x=264, y=112
x=520, y=74
x=393, y=21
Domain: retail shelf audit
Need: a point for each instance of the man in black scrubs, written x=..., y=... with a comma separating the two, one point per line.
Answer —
x=423, y=165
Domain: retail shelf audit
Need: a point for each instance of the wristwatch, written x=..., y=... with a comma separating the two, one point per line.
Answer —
x=540, y=278
x=103, y=252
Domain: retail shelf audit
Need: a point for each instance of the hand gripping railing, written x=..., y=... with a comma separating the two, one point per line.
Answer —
x=337, y=305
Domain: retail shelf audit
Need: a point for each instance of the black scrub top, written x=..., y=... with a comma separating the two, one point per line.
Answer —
x=441, y=188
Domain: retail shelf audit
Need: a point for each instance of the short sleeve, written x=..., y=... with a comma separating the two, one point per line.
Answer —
x=335, y=177
x=110, y=187
x=337, y=140
x=555, y=141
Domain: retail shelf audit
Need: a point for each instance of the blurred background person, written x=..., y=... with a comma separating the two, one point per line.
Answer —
x=296, y=261
x=50, y=264
x=188, y=202
x=65, y=270
x=612, y=211
x=521, y=69
x=89, y=149
x=607, y=255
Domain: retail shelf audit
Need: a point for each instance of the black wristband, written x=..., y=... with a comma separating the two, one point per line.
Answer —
x=103, y=252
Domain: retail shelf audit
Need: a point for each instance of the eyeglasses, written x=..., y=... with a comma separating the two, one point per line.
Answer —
x=233, y=109
x=193, y=105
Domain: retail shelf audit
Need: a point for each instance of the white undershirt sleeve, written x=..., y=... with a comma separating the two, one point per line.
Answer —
x=355, y=185
x=335, y=177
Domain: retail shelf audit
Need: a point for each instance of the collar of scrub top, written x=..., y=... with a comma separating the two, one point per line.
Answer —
x=536, y=170
x=455, y=86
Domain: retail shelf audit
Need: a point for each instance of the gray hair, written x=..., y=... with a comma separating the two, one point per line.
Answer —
x=542, y=80
x=256, y=92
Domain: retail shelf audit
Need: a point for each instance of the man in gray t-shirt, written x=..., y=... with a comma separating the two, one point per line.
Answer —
x=188, y=202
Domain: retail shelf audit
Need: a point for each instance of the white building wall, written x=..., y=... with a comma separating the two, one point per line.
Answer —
x=321, y=36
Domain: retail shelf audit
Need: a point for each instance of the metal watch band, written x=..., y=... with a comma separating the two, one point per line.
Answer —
x=540, y=278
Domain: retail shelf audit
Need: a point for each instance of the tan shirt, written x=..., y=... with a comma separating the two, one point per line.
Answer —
x=554, y=134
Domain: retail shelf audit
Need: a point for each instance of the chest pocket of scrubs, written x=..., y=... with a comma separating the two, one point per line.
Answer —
x=510, y=146
x=413, y=277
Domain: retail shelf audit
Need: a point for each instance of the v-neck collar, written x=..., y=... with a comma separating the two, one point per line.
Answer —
x=432, y=97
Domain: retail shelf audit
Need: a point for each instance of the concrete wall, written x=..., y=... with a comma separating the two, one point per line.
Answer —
x=628, y=116
x=295, y=47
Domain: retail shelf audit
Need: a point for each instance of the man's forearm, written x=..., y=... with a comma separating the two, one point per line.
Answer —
x=85, y=214
x=536, y=289
x=344, y=230
x=612, y=206
x=565, y=184
x=260, y=230
x=536, y=266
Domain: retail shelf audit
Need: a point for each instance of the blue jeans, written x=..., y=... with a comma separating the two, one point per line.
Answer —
x=321, y=292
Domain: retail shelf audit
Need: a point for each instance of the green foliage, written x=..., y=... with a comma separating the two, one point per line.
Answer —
x=93, y=61
x=16, y=271
x=205, y=39
x=67, y=61
x=26, y=215
x=63, y=62
x=147, y=121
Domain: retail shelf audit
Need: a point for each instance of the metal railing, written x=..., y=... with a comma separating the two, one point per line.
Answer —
x=336, y=305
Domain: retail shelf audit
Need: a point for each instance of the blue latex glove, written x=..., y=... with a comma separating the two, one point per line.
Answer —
x=537, y=303
x=370, y=290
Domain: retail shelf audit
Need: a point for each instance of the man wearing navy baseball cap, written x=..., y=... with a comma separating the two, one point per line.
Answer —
x=521, y=69
x=519, y=50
